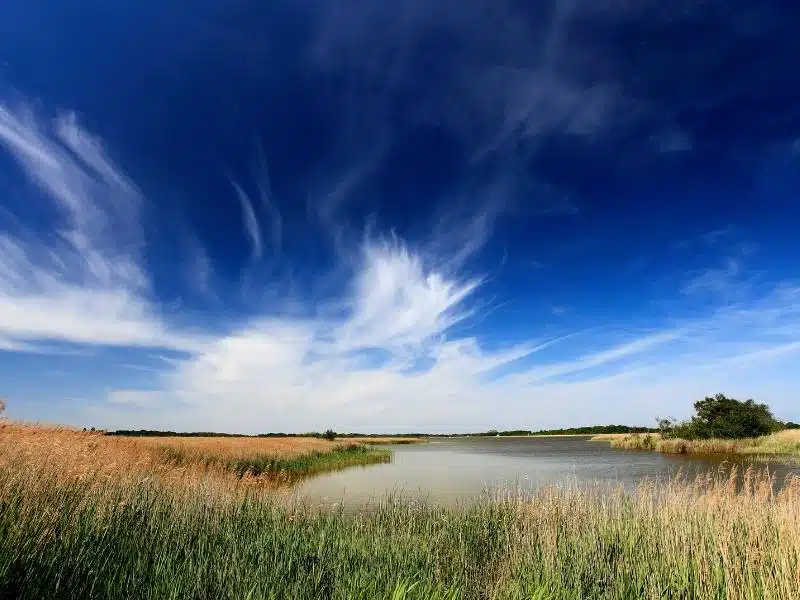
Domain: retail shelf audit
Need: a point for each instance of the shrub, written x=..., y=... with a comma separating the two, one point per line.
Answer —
x=329, y=435
x=723, y=417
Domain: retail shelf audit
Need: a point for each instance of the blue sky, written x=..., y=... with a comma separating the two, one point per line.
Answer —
x=270, y=215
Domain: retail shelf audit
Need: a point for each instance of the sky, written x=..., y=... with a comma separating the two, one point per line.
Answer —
x=274, y=215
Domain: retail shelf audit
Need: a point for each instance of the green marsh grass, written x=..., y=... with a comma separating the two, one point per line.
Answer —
x=289, y=468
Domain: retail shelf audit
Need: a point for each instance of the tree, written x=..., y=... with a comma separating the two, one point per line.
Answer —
x=329, y=435
x=723, y=417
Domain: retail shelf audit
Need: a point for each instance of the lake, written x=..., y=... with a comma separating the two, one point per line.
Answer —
x=459, y=470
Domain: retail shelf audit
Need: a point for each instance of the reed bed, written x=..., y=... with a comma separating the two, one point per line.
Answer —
x=281, y=459
x=268, y=461
x=156, y=531
x=381, y=441
x=607, y=437
x=786, y=443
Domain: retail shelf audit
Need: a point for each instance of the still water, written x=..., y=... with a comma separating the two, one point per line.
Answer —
x=460, y=470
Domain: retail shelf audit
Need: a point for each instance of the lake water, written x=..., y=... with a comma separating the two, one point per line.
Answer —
x=460, y=470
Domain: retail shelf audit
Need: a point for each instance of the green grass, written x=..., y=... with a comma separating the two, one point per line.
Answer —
x=291, y=468
x=80, y=540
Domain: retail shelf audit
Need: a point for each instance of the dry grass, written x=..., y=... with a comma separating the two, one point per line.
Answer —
x=237, y=447
x=381, y=441
x=785, y=443
x=88, y=455
x=607, y=437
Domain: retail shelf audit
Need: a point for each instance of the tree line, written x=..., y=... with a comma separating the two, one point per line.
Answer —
x=715, y=417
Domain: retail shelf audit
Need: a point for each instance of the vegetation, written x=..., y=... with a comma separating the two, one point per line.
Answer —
x=272, y=461
x=589, y=430
x=83, y=516
x=721, y=417
x=721, y=425
x=380, y=440
x=785, y=443
x=278, y=467
x=405, y=437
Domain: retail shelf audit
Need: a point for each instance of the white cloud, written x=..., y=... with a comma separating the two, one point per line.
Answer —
x=251, y=225
x=390, y=352
x=290, y=374
x=82, y=282
x=396, y=301
x=721, y=281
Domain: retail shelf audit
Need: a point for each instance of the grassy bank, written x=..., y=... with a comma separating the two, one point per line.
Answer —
x=78, y=523
x=783, y=443
x=278, y=459
x=268, y=461
x=382, y=441
x=288, y=468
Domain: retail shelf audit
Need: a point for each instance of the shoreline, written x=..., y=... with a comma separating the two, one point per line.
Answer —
x=784, y=443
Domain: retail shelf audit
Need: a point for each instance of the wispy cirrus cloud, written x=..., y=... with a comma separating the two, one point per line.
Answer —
x=81, y=281
x=251, y=225
x=387, y=351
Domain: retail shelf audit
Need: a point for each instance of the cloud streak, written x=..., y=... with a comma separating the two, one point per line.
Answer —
x=251, y=226
x=83, y=281
x=391, y=349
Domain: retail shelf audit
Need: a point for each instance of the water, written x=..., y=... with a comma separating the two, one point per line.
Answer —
x=460, y=470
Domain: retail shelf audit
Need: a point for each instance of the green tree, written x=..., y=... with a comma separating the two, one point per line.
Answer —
x=329, y=435
x=723, y=417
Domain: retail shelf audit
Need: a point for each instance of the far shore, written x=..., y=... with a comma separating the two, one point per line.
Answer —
x=782, y=443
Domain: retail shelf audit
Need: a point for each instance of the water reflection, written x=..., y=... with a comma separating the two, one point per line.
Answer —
x=458, y=471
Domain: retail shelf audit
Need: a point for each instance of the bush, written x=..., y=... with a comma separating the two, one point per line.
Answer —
x=329, y=435
x=723, y=417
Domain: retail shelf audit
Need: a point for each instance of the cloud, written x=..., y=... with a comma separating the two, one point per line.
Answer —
x=199, y=269
x=83, y=281
x=391, y=349
x=397, y=301
x=710, y=239
x=722, y=281
x=392, y=360
x=284, y=374
x=263, y=202
x=501, y=78
x=251, y=226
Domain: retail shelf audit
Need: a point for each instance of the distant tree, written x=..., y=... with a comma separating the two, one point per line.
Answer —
x=329, y=435
x=790, y=425
x=2, y=408
x=723, y=417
